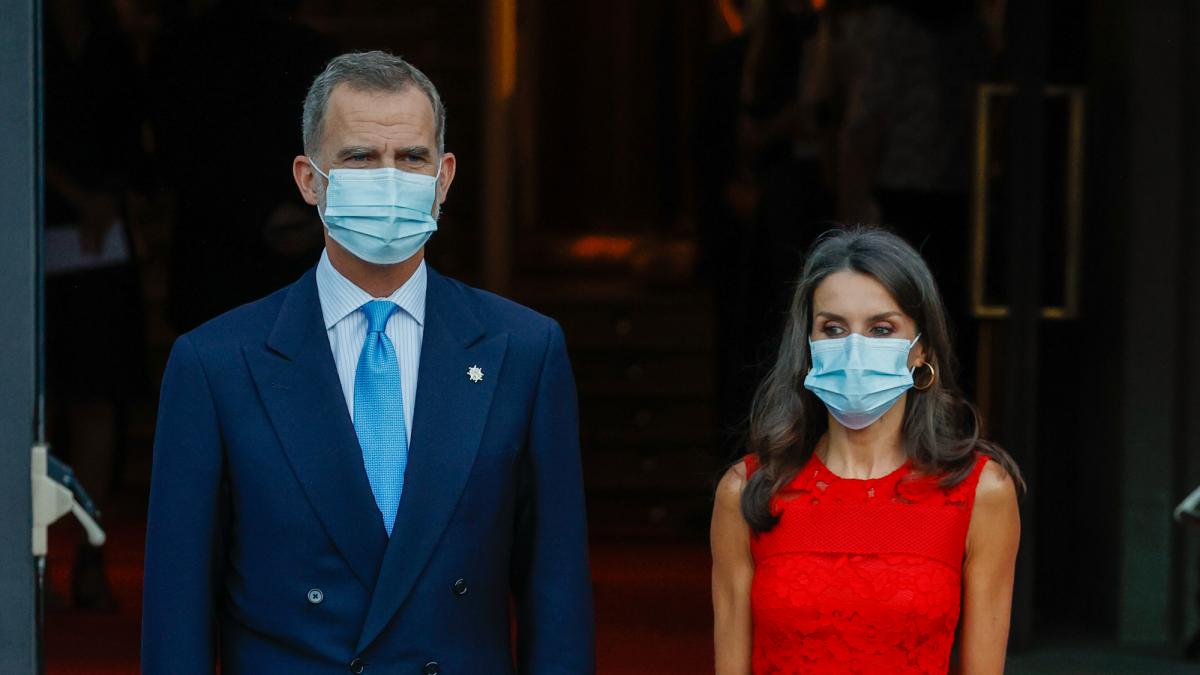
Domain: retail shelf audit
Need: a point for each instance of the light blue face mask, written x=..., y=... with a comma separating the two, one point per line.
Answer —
x=383, y=216
x=859, y=378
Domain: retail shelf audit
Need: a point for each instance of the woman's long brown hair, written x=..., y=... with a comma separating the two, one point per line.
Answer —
x=940, y=428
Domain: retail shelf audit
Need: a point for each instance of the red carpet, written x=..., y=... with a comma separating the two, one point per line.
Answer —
x=94, y=642
x=652, y=605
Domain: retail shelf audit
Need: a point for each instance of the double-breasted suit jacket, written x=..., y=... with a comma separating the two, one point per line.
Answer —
x=265, y=548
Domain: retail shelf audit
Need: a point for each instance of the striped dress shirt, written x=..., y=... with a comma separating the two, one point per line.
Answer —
x=346, y=327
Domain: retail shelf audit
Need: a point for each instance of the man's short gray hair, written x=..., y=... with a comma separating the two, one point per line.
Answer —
x=374, y=71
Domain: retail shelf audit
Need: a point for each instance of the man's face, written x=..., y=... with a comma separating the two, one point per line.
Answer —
x=373, y=130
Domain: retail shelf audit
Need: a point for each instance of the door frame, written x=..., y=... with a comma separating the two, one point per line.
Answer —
x=20, y=149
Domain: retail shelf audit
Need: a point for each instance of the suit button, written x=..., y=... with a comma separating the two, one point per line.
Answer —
x=460, y=587
x=315, y=596
x=357, y=665
x=431, y=668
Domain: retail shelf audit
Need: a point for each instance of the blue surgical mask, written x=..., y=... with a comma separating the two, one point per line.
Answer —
x=383, y=216
x=859, y=378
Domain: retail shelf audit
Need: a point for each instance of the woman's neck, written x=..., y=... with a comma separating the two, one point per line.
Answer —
x=871, y=452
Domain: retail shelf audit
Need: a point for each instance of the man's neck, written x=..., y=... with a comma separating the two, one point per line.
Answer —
x=379, y=281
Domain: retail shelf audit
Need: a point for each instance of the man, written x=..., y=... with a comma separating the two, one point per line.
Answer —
x=357, y=472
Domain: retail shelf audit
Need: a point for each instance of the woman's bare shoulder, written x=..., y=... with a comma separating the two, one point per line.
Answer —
x=729, y=490
x=995, y=488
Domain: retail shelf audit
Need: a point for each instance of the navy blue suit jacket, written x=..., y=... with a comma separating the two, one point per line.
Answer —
x=265, y=548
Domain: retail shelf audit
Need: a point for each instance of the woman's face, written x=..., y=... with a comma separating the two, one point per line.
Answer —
x=848, y=302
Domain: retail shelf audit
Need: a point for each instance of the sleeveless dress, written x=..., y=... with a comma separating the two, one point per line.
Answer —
x=860, y=576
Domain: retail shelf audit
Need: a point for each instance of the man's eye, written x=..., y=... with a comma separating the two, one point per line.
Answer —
x=356, y=158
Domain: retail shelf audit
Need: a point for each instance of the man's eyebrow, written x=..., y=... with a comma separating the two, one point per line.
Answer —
x=355, y=150
x=418, y=150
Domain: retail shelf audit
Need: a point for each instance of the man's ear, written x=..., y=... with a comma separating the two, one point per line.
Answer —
x=449, y=164
x=306, y=179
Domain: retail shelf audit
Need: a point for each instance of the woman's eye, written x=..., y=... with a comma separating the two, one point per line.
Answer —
x=833, y=331
x=880, y=331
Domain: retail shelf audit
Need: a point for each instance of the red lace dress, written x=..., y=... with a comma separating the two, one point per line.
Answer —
x=860, y=576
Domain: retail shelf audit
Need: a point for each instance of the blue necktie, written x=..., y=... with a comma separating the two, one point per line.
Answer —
x=379, y=412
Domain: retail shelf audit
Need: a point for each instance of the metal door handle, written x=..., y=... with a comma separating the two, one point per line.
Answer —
x=1076, y=101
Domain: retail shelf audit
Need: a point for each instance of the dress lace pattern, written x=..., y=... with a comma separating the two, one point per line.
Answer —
x=860, y=576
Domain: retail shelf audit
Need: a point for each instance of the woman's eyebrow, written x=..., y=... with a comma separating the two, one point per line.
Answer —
x=878, y=317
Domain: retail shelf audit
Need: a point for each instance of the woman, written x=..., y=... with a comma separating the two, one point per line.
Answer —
x=868, y=511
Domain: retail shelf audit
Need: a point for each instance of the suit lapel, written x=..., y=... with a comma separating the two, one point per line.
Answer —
x=297, y=380
x=448, y=425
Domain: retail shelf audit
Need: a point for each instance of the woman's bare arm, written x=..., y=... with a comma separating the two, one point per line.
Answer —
x=732, y=573
x=992, y=540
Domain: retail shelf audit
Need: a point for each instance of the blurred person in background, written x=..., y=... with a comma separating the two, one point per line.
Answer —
x=95, y=175
x=726, y=201
x=869, y=517
x=785, y=124
x=909, y=70
x=222, y=83
x=763, y=185
x=372, y=468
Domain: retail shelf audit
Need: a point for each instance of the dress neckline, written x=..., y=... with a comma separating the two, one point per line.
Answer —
x=821, y=468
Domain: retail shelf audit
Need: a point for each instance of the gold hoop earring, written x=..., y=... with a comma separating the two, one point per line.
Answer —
x=932, y=377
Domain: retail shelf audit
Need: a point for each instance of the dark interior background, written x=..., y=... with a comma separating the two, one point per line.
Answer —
x=597, y=145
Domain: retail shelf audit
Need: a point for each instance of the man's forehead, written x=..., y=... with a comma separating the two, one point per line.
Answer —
x=359, y=108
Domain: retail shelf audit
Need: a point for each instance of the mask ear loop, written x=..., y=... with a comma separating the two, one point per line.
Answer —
x=437, y=187
x=913, y=370
x=317, y=168
x=326, y=177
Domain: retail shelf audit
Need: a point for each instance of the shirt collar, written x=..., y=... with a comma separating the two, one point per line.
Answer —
x=340, y=297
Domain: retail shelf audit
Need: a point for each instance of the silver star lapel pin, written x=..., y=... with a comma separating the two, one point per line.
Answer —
x=475, y=373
